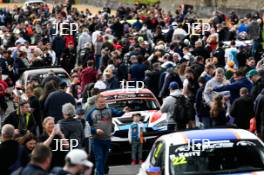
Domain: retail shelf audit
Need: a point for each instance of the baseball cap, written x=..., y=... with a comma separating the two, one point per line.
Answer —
x=173, y=85
x=78, y=157
x=251, y=73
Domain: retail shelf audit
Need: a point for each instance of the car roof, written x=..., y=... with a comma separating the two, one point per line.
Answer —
x=125, y=91
x=33, y=1
x=216, y=134
x=44, y=70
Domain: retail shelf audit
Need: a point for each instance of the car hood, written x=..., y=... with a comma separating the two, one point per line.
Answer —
x=123, y=122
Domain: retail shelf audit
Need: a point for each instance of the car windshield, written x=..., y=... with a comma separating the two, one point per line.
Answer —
x=135, y=104
x=63, y=77
x=216, y=157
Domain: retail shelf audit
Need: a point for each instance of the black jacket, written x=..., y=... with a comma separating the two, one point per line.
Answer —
x=72, y=129
x=257, y=88
x=152, y=81
x=259, y=110
x=32, y=169
x=9, y=155
x=54, y=102
x=14, y=119
x=242, y=110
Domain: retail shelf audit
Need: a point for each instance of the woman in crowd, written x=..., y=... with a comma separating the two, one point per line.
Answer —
x=29, y=142
x=53, y=137
x=218, y=111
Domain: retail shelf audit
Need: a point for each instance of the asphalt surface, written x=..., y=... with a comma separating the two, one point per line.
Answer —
x=124, y=170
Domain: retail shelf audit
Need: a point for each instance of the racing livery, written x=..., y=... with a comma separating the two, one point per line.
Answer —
x=209, y=151
x=139, y=101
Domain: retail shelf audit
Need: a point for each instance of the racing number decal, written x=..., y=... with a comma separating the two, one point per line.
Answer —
x=156, y=153
x=179, y=160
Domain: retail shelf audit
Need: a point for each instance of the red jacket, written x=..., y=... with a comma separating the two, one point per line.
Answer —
x=88, y=75
x=3, y=87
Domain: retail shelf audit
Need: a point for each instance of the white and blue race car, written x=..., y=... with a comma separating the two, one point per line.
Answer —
x=209, y=151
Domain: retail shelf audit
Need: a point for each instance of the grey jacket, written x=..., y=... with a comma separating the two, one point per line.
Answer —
x=102, y=119
x=169, y=105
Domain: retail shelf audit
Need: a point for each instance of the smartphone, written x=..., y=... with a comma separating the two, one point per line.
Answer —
x=58, y=127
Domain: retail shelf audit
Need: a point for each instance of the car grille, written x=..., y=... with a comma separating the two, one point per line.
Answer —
x=124, y=133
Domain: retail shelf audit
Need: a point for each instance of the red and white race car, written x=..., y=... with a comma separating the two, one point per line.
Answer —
x=139, y=101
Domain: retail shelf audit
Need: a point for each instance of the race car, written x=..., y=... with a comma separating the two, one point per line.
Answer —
x=208, y=151
x=139, y=101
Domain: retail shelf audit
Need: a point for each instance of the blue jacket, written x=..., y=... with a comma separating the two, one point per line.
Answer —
x=235, y=87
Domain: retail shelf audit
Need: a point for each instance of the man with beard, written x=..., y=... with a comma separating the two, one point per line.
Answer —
x=68, y=58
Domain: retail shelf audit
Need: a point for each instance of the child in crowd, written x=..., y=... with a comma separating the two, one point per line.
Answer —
x=135, y=137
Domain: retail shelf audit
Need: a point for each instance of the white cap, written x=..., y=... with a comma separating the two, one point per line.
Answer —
x=79, y=157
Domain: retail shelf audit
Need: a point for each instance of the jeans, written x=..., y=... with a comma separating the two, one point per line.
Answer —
x=136, y=149
x=97, y=61
x=101, y=150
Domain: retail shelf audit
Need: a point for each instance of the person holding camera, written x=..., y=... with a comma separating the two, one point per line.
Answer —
x=22, y=119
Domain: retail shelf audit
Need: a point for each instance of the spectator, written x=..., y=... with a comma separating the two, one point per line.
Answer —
x=218, y=111
x=50, y=137
x=56, y=100
x=35, y=107
x=68, y=58
x=40, y=161
x=250, y=64
x=70, y=127
x=234, y=87
x=51, y=76
x=258, y=83
x=170, y=103
x=29, y=142
x=166, y=78
x=208, y=72
x=100, y=120
x=75, y=163
x=110, y=80
x=22, y=119
x=152, y=79
x=242, y=109
x=137, y=70
x=12, y=154
x=135, y=137
x=202, y=108
x=88, y=74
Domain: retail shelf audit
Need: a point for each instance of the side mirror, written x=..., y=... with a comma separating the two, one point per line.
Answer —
x=154, y=171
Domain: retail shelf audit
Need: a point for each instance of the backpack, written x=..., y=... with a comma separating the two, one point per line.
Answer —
x=182, y=109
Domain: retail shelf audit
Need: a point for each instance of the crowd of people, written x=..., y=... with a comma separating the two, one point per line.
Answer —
x=207, y=79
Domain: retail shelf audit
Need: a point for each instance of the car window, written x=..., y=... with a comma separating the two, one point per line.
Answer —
x=135, y=104
x=158, y=155
x=217, y=157
x=63, y=76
